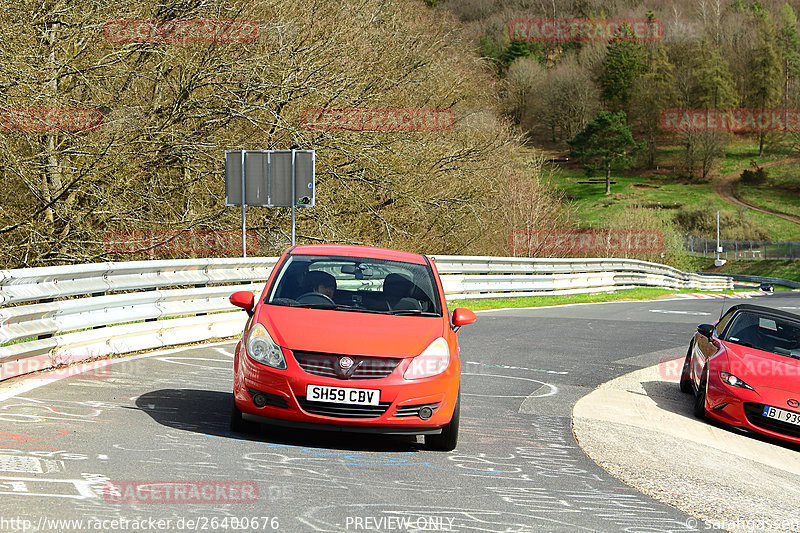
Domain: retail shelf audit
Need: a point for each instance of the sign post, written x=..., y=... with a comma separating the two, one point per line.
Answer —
x=244, y=225
x=269, y=178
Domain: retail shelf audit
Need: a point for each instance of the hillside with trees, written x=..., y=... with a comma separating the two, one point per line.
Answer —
x=711, y=55
x=170, y=109
x=161, y=114
x=714, y=54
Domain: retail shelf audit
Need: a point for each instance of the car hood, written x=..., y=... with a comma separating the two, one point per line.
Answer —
x=764, y=369
x=347, y=332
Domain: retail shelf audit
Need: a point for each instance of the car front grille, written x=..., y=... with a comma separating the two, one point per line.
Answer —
x=328, y=365
x=413, y=410
x=753, y=412
x=342, y=410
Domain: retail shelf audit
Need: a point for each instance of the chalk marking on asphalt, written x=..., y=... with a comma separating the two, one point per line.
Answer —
x=27, y=385
x=517, y=368
x=669, y=312
x=553, y=389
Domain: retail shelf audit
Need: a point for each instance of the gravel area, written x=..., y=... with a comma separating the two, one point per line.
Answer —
x=639, y=427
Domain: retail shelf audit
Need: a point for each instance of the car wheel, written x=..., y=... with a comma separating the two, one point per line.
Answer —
x=700, y=397
x=237, y=423
x=686, y=377
x=446, y=441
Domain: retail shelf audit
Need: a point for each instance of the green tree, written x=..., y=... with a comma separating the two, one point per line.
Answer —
x=789, y=41
x=653, y=92
x=517, y=49
x=620, y=68
x=765, y=69
x=712, y=86
x=789, y=44
x=487, y=48
x=605, y=144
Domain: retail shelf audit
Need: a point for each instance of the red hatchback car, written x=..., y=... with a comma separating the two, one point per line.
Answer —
x=351, y=338
x=745, y=371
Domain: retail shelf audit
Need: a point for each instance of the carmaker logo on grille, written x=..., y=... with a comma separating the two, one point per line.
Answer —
x=345, y=363
x=791, y=402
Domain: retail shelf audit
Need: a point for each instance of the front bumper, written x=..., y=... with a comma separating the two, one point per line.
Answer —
x=398, y=413
x=743, y=408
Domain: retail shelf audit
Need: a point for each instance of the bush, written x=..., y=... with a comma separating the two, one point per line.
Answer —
x=638, y=218
x=754, y=177
x=701, y=222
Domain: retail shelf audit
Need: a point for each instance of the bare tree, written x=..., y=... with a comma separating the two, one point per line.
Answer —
x=566, y=99
x=171, y=109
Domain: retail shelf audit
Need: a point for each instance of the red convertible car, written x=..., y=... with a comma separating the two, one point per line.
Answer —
x=745, y=371
x=351, y=338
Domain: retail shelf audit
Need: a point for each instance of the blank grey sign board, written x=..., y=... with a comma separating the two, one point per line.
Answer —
x=255, y=165
x=304, y=178
x=281, y=178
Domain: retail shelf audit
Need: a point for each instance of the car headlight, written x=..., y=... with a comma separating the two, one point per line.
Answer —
x=733, y=381
x=261, y=348
x=433, y=360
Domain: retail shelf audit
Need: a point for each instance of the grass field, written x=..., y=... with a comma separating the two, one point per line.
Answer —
x=777, y=269
x=557, y=299
x=665, y=194
x=781, y=192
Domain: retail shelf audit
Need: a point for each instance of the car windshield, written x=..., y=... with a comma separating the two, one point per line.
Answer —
x=357, y=285
x=766, y=332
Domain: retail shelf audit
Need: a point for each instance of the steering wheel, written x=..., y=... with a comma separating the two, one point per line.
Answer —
x=314, y=298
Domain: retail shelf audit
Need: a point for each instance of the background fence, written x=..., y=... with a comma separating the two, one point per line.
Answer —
x=732, y=249
x=53, y=316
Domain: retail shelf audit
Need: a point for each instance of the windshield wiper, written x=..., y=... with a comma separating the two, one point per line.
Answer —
x=412, y=312
x=747, y=344
x=786, y=353
x=340, y=307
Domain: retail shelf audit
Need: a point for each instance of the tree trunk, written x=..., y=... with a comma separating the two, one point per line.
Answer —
x=608, y=179
x=51, y=171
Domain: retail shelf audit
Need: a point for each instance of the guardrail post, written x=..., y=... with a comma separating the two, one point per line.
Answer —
x=148, y=289
x=198, y=286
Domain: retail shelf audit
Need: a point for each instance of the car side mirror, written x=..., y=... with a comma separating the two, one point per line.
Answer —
x=706, y=330
x=462, y=317
x=243, y=299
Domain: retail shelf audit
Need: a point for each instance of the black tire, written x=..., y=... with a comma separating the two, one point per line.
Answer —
x=686, y=376
x=446, y=441
x=700, y=397
x=237, y=423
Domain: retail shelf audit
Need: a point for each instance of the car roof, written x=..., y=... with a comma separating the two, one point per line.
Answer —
x=350, y=250
x=765, y=310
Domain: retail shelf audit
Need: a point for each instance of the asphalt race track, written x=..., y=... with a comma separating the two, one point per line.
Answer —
x=164, y=418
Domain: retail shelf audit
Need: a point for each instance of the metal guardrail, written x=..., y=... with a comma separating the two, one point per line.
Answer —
x=761, y=279
x=58, y=315
x=493, y=277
